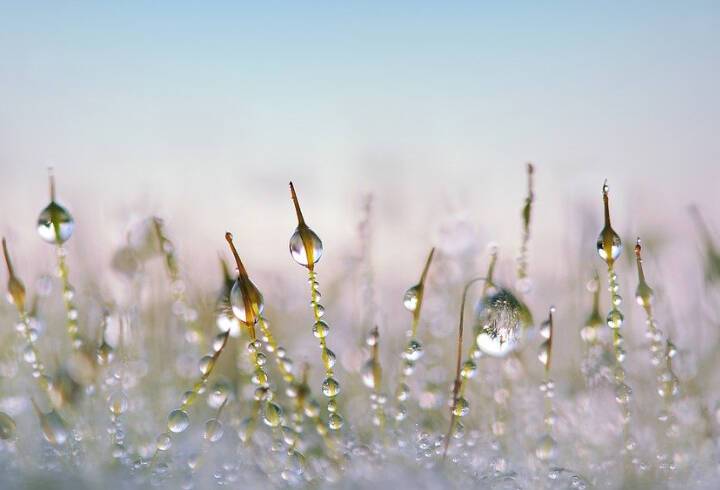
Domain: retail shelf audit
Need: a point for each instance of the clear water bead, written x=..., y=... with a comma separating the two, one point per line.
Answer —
x=55, y=224
x=411, y=298
x=297, y=246
x=178, y=421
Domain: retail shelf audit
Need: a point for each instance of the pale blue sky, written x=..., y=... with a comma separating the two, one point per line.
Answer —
x=202, y=112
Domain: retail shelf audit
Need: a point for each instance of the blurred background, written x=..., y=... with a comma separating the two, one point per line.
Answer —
x=201, y=114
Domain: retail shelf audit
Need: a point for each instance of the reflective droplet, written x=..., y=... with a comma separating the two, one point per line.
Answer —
x=335, y=421
x=272, y=415
x=305, y=236
x=330, y=387
x=411, y=298
x=206, y=365
x=117, y=402
x=503, y=319
x=213, y=430
x=468, y=369
x=461, y=408
x=54, y=429
x=328, y=358
x=615, y=318
x=321, y=329
x=609, y=244
x=55, y=224
x=163, y=442
x=413, y=351
x=178, y=421
x=246, y=300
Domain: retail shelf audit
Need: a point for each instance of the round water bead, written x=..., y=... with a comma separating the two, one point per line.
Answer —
x=178, y=421
x=321, y=329
x=468, y=369
x=228, y=323
x=609, y=241
x=412, y=298
x=335, y=421
x=328, y=358
x=272, y=415
x=297, y=246
x=117, y=402
x=503, y=319
x=163, y=442
x=240, y=303
x=413, y=351
x=213, y=430
x=7, y=427
x=461, y=408
x=55, y=224
x=206, y=365
x=330, y=387
x=54, y=429
x=615, y=318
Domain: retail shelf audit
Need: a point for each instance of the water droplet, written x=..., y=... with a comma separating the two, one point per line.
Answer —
x=321, y=329
x=335, y=421
x=206, y=365
x=178, y=421
x=330, y=387
x=413, y=351
x=328, y=358
x=246, y=300
x=615, y=318
x=503, y=319
x=468, y=369
x=412, y=298
x=302, y=236
x=7, y=427
x=54, y=429
x=272, y=415
x=543, y=355
x=213, y=430
x=117, y=402
x=163, y=442
x=609, y=244
x=644, y=295
x=622, y=393
x=402, y=392
x=461, y=408
x=55, y=224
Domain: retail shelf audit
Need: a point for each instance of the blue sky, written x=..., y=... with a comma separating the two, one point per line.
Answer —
x=181, y=108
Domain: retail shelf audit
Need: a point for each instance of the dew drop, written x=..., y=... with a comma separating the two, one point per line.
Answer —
x=213, y=430
x=330, y=387
x=412, y=298
x=178, y=421
x=609, y=244
x=335, y=421
x=461, y=408
x=206, y=365
x=117, y=402
x=55, y=224
x=272, y=415
x=54, y=429
x=368, y=374
x=413, y=351
x=297, y=246
x=244, y=287
x=321, y=329
x=163, y=442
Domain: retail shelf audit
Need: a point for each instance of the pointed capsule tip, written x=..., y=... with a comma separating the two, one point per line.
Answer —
x=638, y=248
